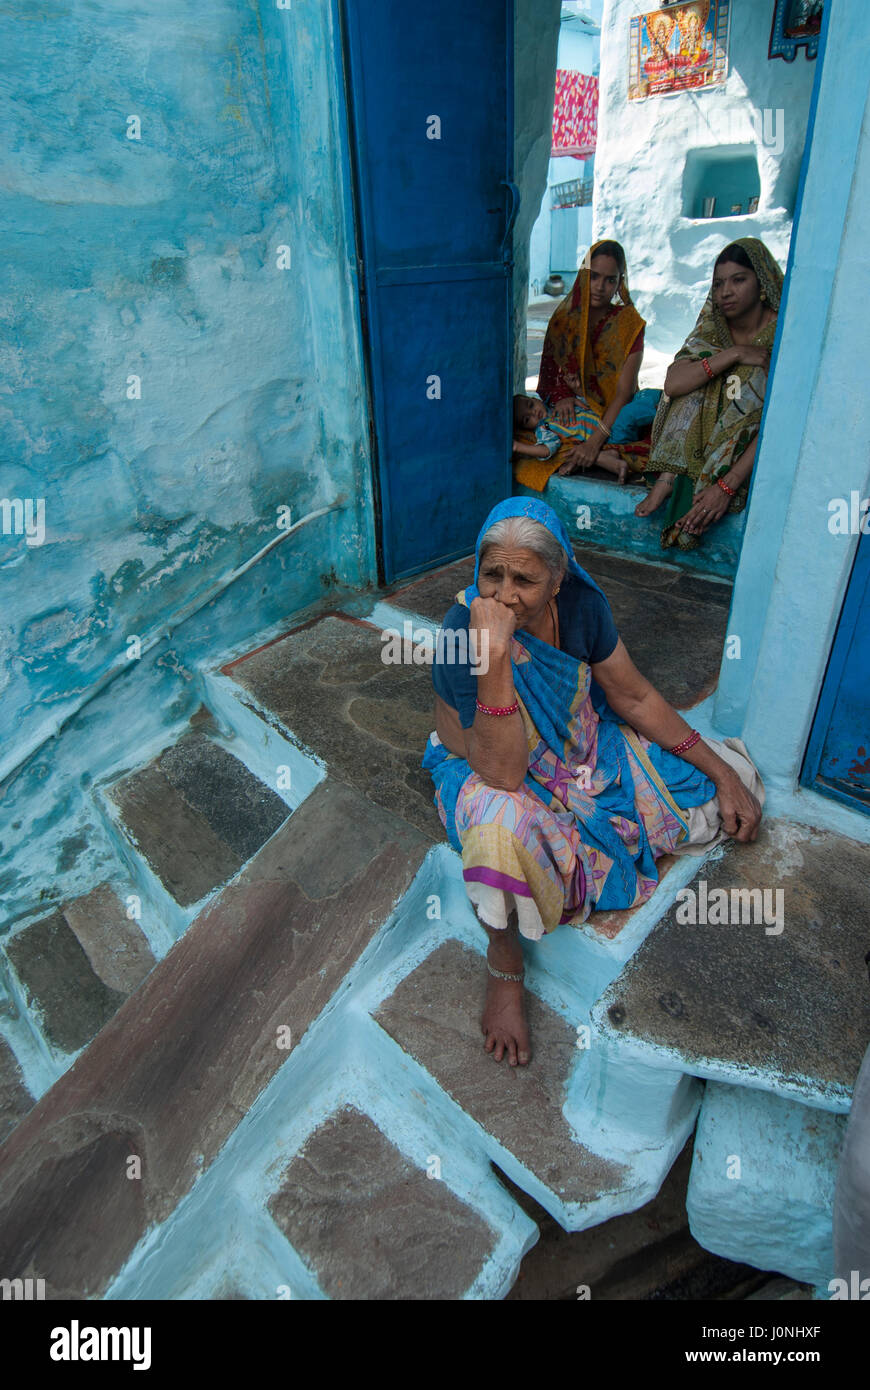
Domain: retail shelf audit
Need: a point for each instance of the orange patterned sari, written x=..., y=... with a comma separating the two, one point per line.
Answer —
x=597, y=357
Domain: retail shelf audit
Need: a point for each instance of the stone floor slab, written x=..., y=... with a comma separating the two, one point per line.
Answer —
x=674, y=625
x=197, y=814
x=432, y=595
x=172, y=1074
x=114, y=944
x=185, y=853
x=371, y=1225
x=793, y=1005
x=240, y=809
x=434, y=1014
x=326, y=685
x=15, y=1099
x=60, y=984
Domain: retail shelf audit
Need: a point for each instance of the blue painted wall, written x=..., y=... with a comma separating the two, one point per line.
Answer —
x=793, y=571
x=157, y=257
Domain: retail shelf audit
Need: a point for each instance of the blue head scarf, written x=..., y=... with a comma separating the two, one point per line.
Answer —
x=535, y=510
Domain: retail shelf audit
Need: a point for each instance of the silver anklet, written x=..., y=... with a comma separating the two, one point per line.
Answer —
x=502, y=975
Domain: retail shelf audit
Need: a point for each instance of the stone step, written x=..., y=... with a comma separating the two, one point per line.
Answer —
x=15, y=1099
x=614, y=526
x=371, y=1225
x=112, y=941
x=326, y=686
x=646, y=1254
x=196, y=814
x=168, y=1079
x=433, y=1015
x=76, y=967
x=778, y=1003
x=762, y=1183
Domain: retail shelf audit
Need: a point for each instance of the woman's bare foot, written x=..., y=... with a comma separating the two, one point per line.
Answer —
x=660, y=490
x=504, y=1016
x=614, y=464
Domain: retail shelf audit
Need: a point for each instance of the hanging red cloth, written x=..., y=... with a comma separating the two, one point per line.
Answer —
x=575, y=114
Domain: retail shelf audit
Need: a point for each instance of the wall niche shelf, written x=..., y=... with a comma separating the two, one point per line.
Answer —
x=722, y=181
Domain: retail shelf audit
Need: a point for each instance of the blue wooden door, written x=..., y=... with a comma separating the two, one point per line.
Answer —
x=838, y=754
x=430, y=96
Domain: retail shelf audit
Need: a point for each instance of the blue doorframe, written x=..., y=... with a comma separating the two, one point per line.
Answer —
x=430, y=103
x=838, y=754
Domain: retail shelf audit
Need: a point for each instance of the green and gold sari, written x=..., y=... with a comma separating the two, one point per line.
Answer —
x=699, y=436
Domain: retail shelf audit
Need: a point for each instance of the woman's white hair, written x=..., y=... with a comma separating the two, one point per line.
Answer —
x=522, y=533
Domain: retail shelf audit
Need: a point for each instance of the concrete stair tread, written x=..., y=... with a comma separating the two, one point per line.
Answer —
x=434, y=1015
x=174, y=1071
x=328, y=689
x=788, y=1012
x=371, y=1225
x=196, y=814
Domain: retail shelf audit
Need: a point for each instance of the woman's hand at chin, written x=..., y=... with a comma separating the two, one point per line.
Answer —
x=499, y=620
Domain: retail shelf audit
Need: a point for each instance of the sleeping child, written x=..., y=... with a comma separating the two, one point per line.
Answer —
x=551, y=431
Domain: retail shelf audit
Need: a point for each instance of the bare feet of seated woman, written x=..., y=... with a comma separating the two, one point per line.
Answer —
x=658, y=493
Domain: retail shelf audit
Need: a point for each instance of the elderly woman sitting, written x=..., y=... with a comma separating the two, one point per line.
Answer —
x=559, y=805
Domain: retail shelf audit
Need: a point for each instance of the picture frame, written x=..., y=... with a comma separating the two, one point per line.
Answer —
x=753, y=204
x=796, y=24
x=678, y=48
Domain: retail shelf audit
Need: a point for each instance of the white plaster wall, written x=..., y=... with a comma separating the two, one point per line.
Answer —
x=641, y=154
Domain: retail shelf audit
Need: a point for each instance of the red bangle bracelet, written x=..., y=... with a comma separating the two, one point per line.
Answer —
x=705, y=363
x=732, y=492
x=687, y=743
x=498, y=710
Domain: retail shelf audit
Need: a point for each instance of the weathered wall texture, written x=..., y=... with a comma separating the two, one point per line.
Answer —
x=537, y=39
x=640, y=161
x=157, y=258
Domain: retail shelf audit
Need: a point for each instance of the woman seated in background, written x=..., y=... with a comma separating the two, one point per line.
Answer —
x=590, y=364
x=706, y=428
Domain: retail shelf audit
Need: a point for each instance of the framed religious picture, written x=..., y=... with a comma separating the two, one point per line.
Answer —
x=796, y=24
x=753, y=204
x=680, y=48
x=736, y=207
